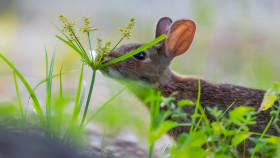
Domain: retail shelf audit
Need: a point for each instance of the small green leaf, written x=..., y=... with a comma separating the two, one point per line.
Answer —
x=218, y=127
x=196, y=115
x=238, y=113
x=229, y=132
x=268, y=100
x=185, y=102
x=190, y=152
x=273, y=140
x=237, y=139
x=162, y=129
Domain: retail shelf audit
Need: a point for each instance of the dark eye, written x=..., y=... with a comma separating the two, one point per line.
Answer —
x=140, y=56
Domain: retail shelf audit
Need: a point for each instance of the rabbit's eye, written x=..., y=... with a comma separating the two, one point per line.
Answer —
x=140, y=56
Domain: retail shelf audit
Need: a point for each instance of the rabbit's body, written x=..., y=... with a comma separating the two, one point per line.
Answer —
x=215, y=95
x=152, y=67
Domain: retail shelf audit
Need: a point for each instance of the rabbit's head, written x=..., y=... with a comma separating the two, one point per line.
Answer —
x=152, y=64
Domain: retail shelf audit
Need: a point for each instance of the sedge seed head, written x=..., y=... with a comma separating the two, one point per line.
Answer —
x=126, y=32
x=68, y=26
x=87, y=28
x=103, y=49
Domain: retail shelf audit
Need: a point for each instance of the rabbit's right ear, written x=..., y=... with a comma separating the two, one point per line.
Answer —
x=163, y=26
x=179, y=37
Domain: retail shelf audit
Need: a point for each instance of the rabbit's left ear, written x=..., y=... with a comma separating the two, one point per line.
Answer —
x=179, y=37
x=163, y=26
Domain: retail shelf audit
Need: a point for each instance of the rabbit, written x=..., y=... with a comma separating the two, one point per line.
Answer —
x=152, y=67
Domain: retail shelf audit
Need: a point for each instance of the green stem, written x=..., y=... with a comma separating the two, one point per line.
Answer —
x=197, y=105
x=116, y=45
x=151, y=151
x=90, y=46
x=266, y=128
x=89, y=96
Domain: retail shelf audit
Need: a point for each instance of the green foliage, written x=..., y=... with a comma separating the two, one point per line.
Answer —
x=242, y=116
x=190, y=145
x=264, y=147
x=8, y=114
x=268, y=100
x=275, y=107
x=237, y=139
x=219, y=138
x=158, y=123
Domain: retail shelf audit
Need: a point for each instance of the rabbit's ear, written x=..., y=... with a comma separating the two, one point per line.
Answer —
x=163, y=26
x=179, y=37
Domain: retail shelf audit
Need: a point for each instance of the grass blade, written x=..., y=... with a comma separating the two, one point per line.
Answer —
x=135, y=51
x=197, y=106
x=27, y=86
x=18, y=96
x=60, y=82
x=49, y=91
x=82, y=97
x=53, y=76
x=59, y=104
x=69, y=42
x=76, y=108
x=89, y=97
x=70, y=45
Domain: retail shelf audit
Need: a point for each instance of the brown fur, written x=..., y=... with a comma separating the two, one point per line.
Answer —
x=155, y=71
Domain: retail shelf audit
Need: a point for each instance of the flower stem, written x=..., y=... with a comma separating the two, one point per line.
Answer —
x=90, y=46
x=151, y=151
x=88, y=98
x=116, y=45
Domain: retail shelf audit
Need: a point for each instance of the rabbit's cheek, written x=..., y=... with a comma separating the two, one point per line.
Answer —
x=114, y=73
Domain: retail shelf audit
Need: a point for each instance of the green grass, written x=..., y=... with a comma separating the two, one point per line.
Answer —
x=215, y=139
x=53, y=121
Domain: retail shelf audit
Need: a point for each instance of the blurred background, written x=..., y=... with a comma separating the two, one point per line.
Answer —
x=236, y=41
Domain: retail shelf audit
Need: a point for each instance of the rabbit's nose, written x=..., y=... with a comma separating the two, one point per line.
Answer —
x=105, y=59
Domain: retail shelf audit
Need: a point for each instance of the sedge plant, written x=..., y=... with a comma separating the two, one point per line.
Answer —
x=95, y=59
x=51, y=118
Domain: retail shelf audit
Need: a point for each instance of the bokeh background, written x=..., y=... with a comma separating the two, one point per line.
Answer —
x=236, y=41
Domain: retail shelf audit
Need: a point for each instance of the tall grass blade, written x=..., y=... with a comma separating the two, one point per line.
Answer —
x=60, y=82
x=29, y=89
x=135, y=51
x=197, y=105
x=53, y=76
x=88, y=98
x=82, y=97
x=49, y=91
x=18, y=96
x=76, y=107
x=70, y=45
x=59, y=104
